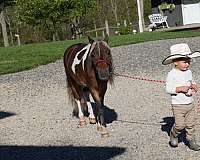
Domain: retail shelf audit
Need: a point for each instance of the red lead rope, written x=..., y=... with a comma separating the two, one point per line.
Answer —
x=139, y=78
x=148, y=80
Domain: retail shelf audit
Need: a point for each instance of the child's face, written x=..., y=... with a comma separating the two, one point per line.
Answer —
x=182, y=64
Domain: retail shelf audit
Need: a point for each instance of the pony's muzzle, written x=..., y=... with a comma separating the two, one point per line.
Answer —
x=103, y=70
x=103, y=74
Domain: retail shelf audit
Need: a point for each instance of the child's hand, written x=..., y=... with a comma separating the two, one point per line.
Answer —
x=183, y=89
x=194, y=87
x=198, y=107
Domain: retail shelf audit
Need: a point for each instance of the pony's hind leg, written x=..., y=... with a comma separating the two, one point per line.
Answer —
x=92, y=118
x=82, y=121
x=73, y=88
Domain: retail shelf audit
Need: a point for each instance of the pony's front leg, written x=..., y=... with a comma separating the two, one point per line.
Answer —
x=101, y=125
x=102, y=91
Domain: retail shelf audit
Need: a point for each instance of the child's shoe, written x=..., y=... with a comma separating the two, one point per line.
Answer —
x=173, y=140
x=193, y=145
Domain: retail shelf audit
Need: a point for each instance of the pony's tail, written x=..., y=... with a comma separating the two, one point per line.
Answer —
x=69, y=84
x=71, y=97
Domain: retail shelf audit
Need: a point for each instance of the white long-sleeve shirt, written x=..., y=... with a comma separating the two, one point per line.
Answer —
x=177, y=78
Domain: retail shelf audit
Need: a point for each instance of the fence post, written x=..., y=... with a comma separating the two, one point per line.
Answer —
x=18, y=39
x=107, y=27
x=103, y=33
x=125, y=23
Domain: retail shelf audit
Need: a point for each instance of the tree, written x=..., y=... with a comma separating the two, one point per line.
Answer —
x=51, y=13
x=40, y=20
x=3, y=5
x=81, y=10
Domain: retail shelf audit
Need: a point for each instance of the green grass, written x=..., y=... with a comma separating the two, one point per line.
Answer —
x=151, y=36
x=19, y=58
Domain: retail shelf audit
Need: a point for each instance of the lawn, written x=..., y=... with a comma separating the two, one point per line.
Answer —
x=24, y=57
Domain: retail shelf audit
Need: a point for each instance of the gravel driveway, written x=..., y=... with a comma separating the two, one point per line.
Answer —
x=36, y=121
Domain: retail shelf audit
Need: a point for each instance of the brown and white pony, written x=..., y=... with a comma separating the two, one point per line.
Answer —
x=89, y=68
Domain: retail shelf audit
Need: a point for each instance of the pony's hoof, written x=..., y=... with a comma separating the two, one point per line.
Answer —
x=92, y=120
x=99, y=128
x=104, y=133
x=82, y=122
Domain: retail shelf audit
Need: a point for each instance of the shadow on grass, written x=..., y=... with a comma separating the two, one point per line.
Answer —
x=58, y=152
x=6, y=114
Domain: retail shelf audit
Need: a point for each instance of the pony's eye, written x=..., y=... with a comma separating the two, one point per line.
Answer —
x=92, y=55
x=109, y=54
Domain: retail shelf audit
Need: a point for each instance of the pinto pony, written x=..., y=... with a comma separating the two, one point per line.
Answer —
x=89, y=68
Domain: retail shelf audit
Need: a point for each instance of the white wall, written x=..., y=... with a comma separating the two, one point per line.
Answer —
x=191, y=13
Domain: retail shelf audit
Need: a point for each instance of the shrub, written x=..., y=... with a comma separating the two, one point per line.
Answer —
x=125, y=30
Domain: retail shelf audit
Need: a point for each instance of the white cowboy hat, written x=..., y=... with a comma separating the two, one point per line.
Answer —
x=181, y=50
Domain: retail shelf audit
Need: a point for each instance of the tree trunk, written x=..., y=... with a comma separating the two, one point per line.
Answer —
x=9, y=28
x=4, y=29
x=55, y=33
x=54, y=37
x=114, y=9
x=128, y=12
x=95, y=28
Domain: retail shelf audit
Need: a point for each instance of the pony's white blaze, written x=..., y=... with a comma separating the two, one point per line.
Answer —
x=77, y=61
x=106, y=44
x=80, y=113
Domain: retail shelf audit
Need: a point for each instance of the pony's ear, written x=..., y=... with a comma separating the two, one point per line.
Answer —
x=106, y=38
x=90, y=40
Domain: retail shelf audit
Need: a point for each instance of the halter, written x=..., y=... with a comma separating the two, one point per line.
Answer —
x=102, y=61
